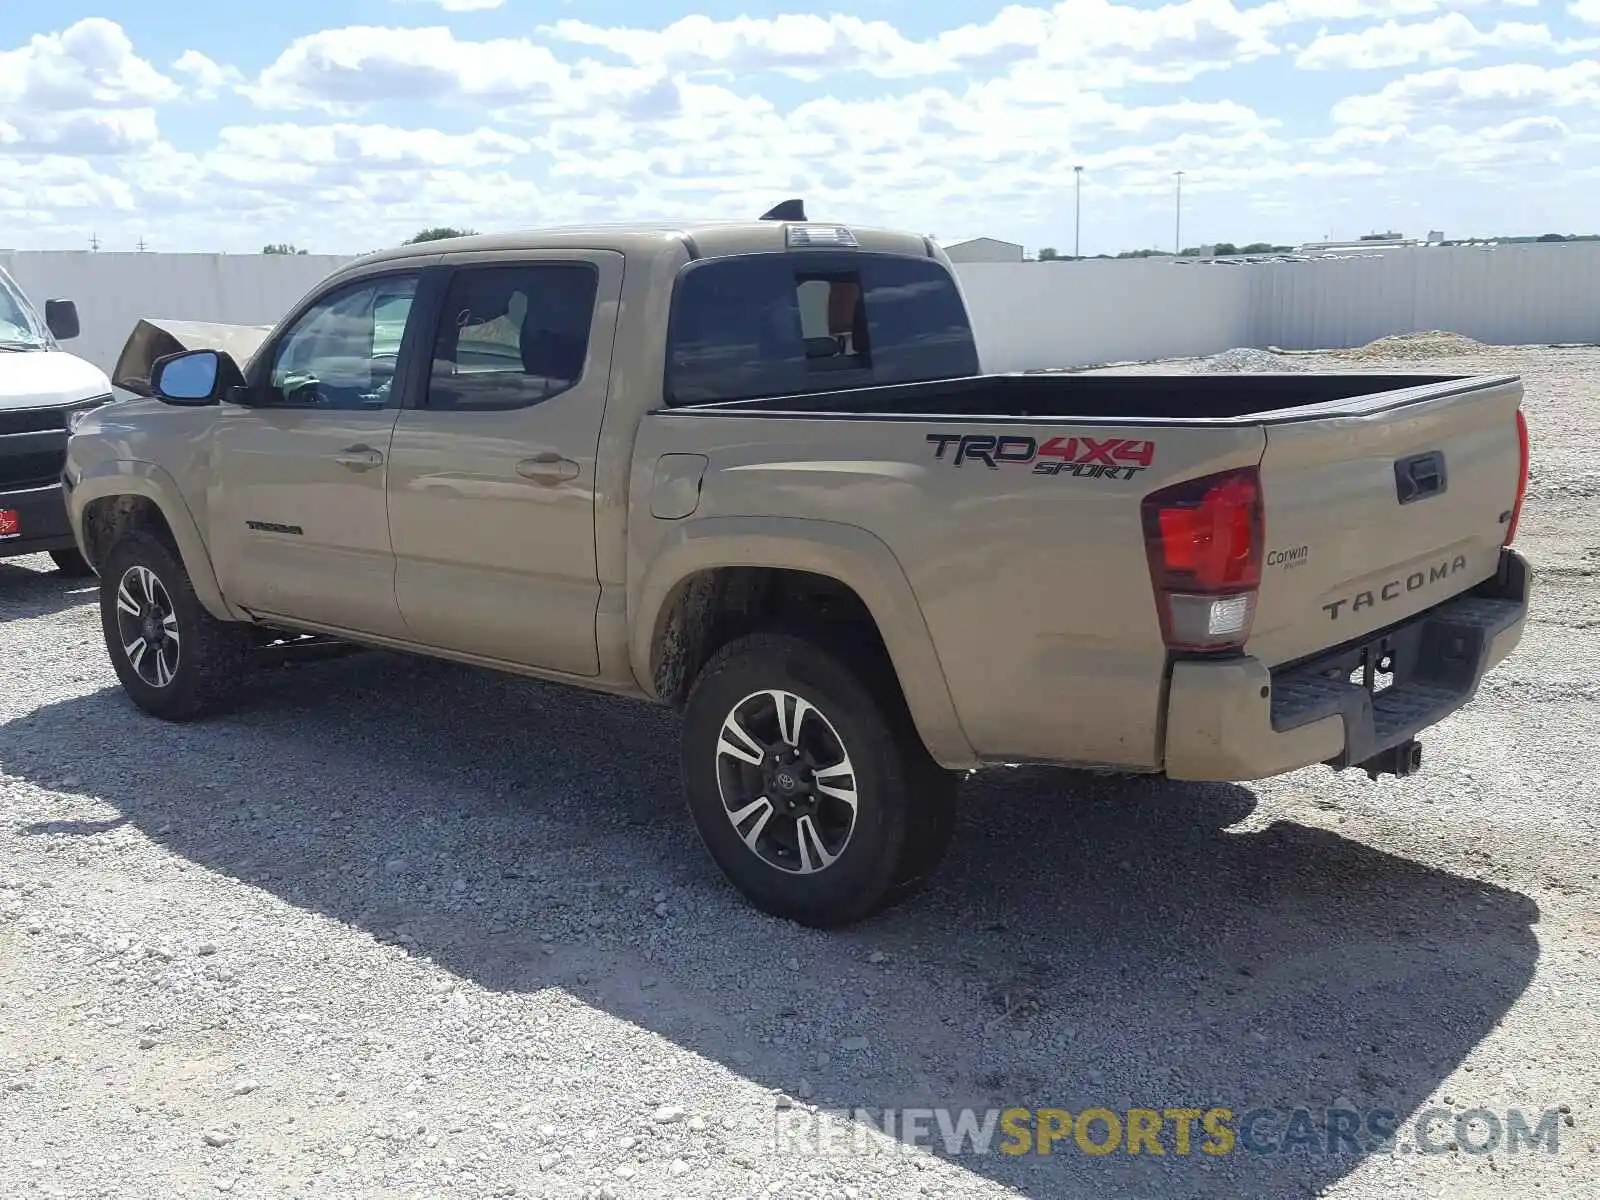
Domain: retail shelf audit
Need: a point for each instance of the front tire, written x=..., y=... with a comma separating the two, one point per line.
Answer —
x=71, y=563
x=175, y=660
x=807, y=781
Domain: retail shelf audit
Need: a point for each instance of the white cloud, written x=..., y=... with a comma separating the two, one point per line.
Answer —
x=89, y=63
x=800, y=43
x=1278, y=13
x=368, y=146
x=1587, y=11
x=1173, y=41
x=81, y=91
x=1450, y=38
x=461, y=6
x=60, y=186
x=207, y=78
x=354, y=69
x=1475, y=98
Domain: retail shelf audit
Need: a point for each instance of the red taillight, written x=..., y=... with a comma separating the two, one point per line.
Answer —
x=1522, y=477
x=1203, y=538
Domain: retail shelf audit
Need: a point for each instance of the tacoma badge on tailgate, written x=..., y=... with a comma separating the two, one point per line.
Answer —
x=1392, y=589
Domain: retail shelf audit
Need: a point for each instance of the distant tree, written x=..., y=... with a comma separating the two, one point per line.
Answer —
x=1228, y=248
x=438, y=233
x=281, y=248
x=1552, y=237
x=1048, y=254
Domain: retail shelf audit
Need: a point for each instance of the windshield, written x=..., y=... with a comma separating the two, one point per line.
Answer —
x=19, y=323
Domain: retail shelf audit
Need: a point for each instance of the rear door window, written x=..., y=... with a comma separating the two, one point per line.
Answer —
x=783, y=324
x=512, y=336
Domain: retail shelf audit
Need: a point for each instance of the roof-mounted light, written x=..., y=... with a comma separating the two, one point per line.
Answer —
x=824, y=236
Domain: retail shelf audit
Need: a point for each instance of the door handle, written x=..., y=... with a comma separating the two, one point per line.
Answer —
x=359, y=458
x=547, y=468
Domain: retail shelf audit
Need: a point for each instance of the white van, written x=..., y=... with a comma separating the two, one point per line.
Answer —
x=43, y=390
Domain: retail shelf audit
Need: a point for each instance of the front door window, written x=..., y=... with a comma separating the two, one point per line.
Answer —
x=341, y=353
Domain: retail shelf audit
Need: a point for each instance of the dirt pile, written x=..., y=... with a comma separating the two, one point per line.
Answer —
x=1435, y=343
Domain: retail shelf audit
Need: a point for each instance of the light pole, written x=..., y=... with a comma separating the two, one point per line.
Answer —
x=1177, y=222
x=1077, y=211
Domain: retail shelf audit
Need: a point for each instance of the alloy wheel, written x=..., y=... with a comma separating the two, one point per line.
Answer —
x=786, y=781
x=147, y=626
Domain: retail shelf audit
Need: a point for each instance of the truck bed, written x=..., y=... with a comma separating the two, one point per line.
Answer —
x=1016, y=505
x=1257, y=398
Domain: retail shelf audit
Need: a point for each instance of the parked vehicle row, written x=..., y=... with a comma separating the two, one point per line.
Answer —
x=43, y=390
x=754, y=470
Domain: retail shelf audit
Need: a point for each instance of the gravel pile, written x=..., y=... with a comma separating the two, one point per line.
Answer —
x=1413, y=347
x=1246, y=359
x=399, y=929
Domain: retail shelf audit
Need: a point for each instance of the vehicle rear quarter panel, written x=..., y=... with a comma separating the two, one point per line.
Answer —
x=1034, y=590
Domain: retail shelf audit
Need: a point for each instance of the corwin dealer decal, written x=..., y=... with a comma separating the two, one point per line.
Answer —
x=1080, y=457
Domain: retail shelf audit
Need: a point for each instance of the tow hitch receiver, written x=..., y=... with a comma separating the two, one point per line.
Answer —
x=1404, y=759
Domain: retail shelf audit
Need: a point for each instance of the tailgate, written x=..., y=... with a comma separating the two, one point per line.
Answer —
x=1381, y=509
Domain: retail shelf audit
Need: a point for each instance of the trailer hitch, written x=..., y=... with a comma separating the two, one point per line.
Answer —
x=1402, y=760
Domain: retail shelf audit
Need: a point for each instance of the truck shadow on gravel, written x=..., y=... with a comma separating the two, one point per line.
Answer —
x=26, y=592
x=1090, y=943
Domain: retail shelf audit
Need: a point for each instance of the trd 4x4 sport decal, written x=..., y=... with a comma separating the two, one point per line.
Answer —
x=1082, y=457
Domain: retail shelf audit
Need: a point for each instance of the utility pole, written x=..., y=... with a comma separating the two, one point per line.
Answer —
x=1077, y=212
x=1177, y=223
x=94, y=241
x=141, y=243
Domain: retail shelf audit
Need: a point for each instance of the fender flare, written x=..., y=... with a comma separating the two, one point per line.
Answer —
x=849, y=554
x=134, y=477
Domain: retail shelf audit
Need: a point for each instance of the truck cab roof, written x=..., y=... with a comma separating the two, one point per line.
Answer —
x=703, y=239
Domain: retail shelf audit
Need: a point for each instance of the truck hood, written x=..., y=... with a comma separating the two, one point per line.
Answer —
x=48, y=379
x=153, y=338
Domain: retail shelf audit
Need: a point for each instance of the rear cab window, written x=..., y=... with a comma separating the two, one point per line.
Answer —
x=790, y=323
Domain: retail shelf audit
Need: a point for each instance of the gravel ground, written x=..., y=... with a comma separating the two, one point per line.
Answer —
x=401, y=929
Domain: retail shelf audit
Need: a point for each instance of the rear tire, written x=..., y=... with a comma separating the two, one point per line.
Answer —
x=71, y=563
x=807, y=780
x=175, y=660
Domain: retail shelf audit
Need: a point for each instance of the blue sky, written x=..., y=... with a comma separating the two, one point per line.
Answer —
x=342, y=125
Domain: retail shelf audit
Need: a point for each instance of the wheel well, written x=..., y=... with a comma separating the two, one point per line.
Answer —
x=107, y=519
x=714, y=606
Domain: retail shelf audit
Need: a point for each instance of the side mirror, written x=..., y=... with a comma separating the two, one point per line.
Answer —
x=195, y=377
x=61, y=318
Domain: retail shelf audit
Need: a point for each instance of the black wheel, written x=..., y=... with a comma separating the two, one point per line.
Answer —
x=175, y=660
x=71, y=563
x=807, y=781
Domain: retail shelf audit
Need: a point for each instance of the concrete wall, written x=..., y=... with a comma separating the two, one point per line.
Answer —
x=1056, y=314
x=113, y=291
x=1027, y=315
x=1511, y=295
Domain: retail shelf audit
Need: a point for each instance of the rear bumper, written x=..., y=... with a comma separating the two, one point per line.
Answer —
x=1239, y=720
x=42, y=514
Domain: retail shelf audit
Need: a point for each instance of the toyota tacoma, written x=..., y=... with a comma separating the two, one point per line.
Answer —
x=754, y=470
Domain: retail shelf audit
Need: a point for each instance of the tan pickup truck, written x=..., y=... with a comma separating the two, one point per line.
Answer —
x=753, y=470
